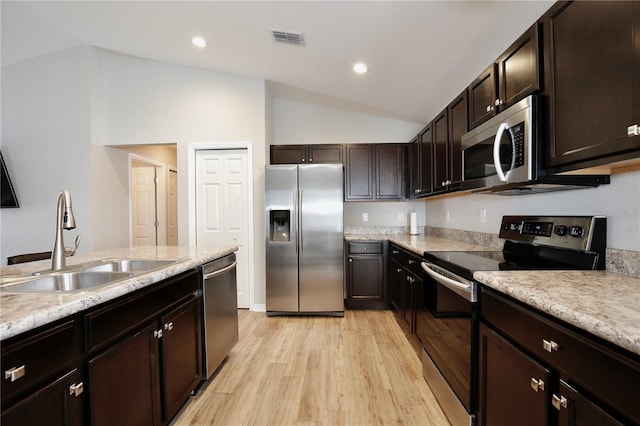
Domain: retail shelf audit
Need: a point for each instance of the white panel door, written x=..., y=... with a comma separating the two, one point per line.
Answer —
x=143, y=212
x=222, y=207
x=172, y=208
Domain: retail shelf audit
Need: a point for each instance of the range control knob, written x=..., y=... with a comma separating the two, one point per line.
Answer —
x=576, y=231
x=560, y=230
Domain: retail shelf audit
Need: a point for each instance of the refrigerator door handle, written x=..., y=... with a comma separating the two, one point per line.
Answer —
x=300, y=222
x=294, y=219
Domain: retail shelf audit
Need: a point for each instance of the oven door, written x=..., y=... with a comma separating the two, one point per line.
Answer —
x=501, y=150
x=447, y=328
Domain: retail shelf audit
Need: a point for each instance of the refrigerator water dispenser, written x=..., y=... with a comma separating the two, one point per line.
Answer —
x=279, y=226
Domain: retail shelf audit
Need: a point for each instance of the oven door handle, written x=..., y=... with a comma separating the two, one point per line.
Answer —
x=496, y=152
x=464, y=289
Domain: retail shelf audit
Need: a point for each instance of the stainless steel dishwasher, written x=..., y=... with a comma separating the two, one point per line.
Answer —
x=220, y=300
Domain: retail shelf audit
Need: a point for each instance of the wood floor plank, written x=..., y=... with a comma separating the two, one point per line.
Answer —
x=356, y=370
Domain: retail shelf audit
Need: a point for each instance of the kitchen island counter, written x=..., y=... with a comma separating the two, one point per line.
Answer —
x=21, y=312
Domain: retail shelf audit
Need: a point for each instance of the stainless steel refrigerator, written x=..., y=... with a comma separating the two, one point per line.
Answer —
x=304, y=239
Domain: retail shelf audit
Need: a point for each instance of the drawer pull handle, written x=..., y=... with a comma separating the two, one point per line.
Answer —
x=537, y=384
x=558, y=401
x=550, y=345
x=168, y=326
x=411, y=262
x=15, y=373
x=395, y=251
x=76, y=390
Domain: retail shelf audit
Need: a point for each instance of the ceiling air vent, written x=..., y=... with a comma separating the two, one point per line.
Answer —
x=288, y=37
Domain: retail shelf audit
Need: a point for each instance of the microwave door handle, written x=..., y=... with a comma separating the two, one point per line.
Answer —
x=496, y=152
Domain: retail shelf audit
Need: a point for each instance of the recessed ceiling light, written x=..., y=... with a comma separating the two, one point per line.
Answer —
x=360, y=68
x=199, y=41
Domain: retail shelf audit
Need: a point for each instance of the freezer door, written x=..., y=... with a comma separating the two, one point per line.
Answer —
x=281, y=217
x=321, y=258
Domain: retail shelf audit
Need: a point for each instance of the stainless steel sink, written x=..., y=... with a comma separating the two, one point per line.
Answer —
x=67, y=281
x=130, y=265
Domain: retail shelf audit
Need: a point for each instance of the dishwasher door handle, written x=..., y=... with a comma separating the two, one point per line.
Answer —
x=220, y=271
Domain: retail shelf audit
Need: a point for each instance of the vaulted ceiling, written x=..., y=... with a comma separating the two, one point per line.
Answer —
x=420, y=54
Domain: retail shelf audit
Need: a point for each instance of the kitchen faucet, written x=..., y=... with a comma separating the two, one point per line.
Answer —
x=64, y=220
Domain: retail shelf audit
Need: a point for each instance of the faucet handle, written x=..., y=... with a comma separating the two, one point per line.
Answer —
x=71, y=251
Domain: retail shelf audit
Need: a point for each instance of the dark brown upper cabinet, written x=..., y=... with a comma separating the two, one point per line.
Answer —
x=441, y=179
x=592, y=65
x=414, y=168
x=514, y=76
x=375, y=172
x=421, y=163
x=458, y=126
x=306, y=154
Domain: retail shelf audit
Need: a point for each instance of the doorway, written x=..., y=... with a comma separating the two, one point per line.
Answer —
x=152, y=202
x=223, y=208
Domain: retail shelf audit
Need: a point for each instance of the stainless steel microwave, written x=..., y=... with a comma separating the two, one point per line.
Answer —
x=503, y=150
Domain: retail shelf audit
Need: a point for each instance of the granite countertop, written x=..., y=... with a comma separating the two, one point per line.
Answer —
x=20, y=312
x=603, y=303
x=418, y=244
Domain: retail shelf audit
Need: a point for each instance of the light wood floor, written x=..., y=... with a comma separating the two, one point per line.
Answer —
x=356, y=370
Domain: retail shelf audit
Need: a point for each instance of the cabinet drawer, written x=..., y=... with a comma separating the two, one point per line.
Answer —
x=412, y=263
x=37, y=358
x=365, y=248
x=118, y=318
x=583, y=362
x=395, y=253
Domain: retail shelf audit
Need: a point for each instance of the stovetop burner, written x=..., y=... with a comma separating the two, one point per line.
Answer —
x=535, y=243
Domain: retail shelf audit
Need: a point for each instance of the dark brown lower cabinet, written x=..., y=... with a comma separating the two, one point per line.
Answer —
x=396, y=283
x=536, y=370
x=514, y=389
x=55, y=404
x=365, y=276
x=181, y=354
x=146, y=378
x=125, y=382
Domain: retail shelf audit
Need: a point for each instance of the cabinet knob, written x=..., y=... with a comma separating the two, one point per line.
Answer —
x=550, y=345
x=490, y=108
x=168, y=326
x=158, y=333
x=633, y=130
x=350, y=260
x=537, y=384
x=311, y=160
x=302, y=160
x=498, y=102
x=558, y=401
x=76, y=389
x=15, y=373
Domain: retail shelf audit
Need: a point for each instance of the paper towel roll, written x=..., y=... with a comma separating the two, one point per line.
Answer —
x=413, y=223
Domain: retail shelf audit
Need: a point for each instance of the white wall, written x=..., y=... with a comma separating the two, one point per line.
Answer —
x=46, y=140
x=619, y=201
x=300, y=123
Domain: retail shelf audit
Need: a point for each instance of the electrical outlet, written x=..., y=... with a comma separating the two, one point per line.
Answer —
x=447, y=215
x=365, y=217
x=400, y=217
x=483, y=215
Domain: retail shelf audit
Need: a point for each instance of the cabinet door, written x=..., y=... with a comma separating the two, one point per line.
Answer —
x=124, y=382
x=577, y=410
x=396, y=283
x=365, y=280
x=414, y=168
x=288, y=154
x=513, y=387
x=441, y=152
x=390, y=172
x=59, y=403
x=426, y=160
x=318, y=154
x=359, y=172
x=593, y=67
x=458, y=118
x=482, y=96
x=181, y=348
x=519, y=70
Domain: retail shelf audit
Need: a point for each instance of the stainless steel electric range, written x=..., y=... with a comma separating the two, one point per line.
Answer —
x=447, y=323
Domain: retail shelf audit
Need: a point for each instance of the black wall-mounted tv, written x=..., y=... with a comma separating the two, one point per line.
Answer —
x=7, y=193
